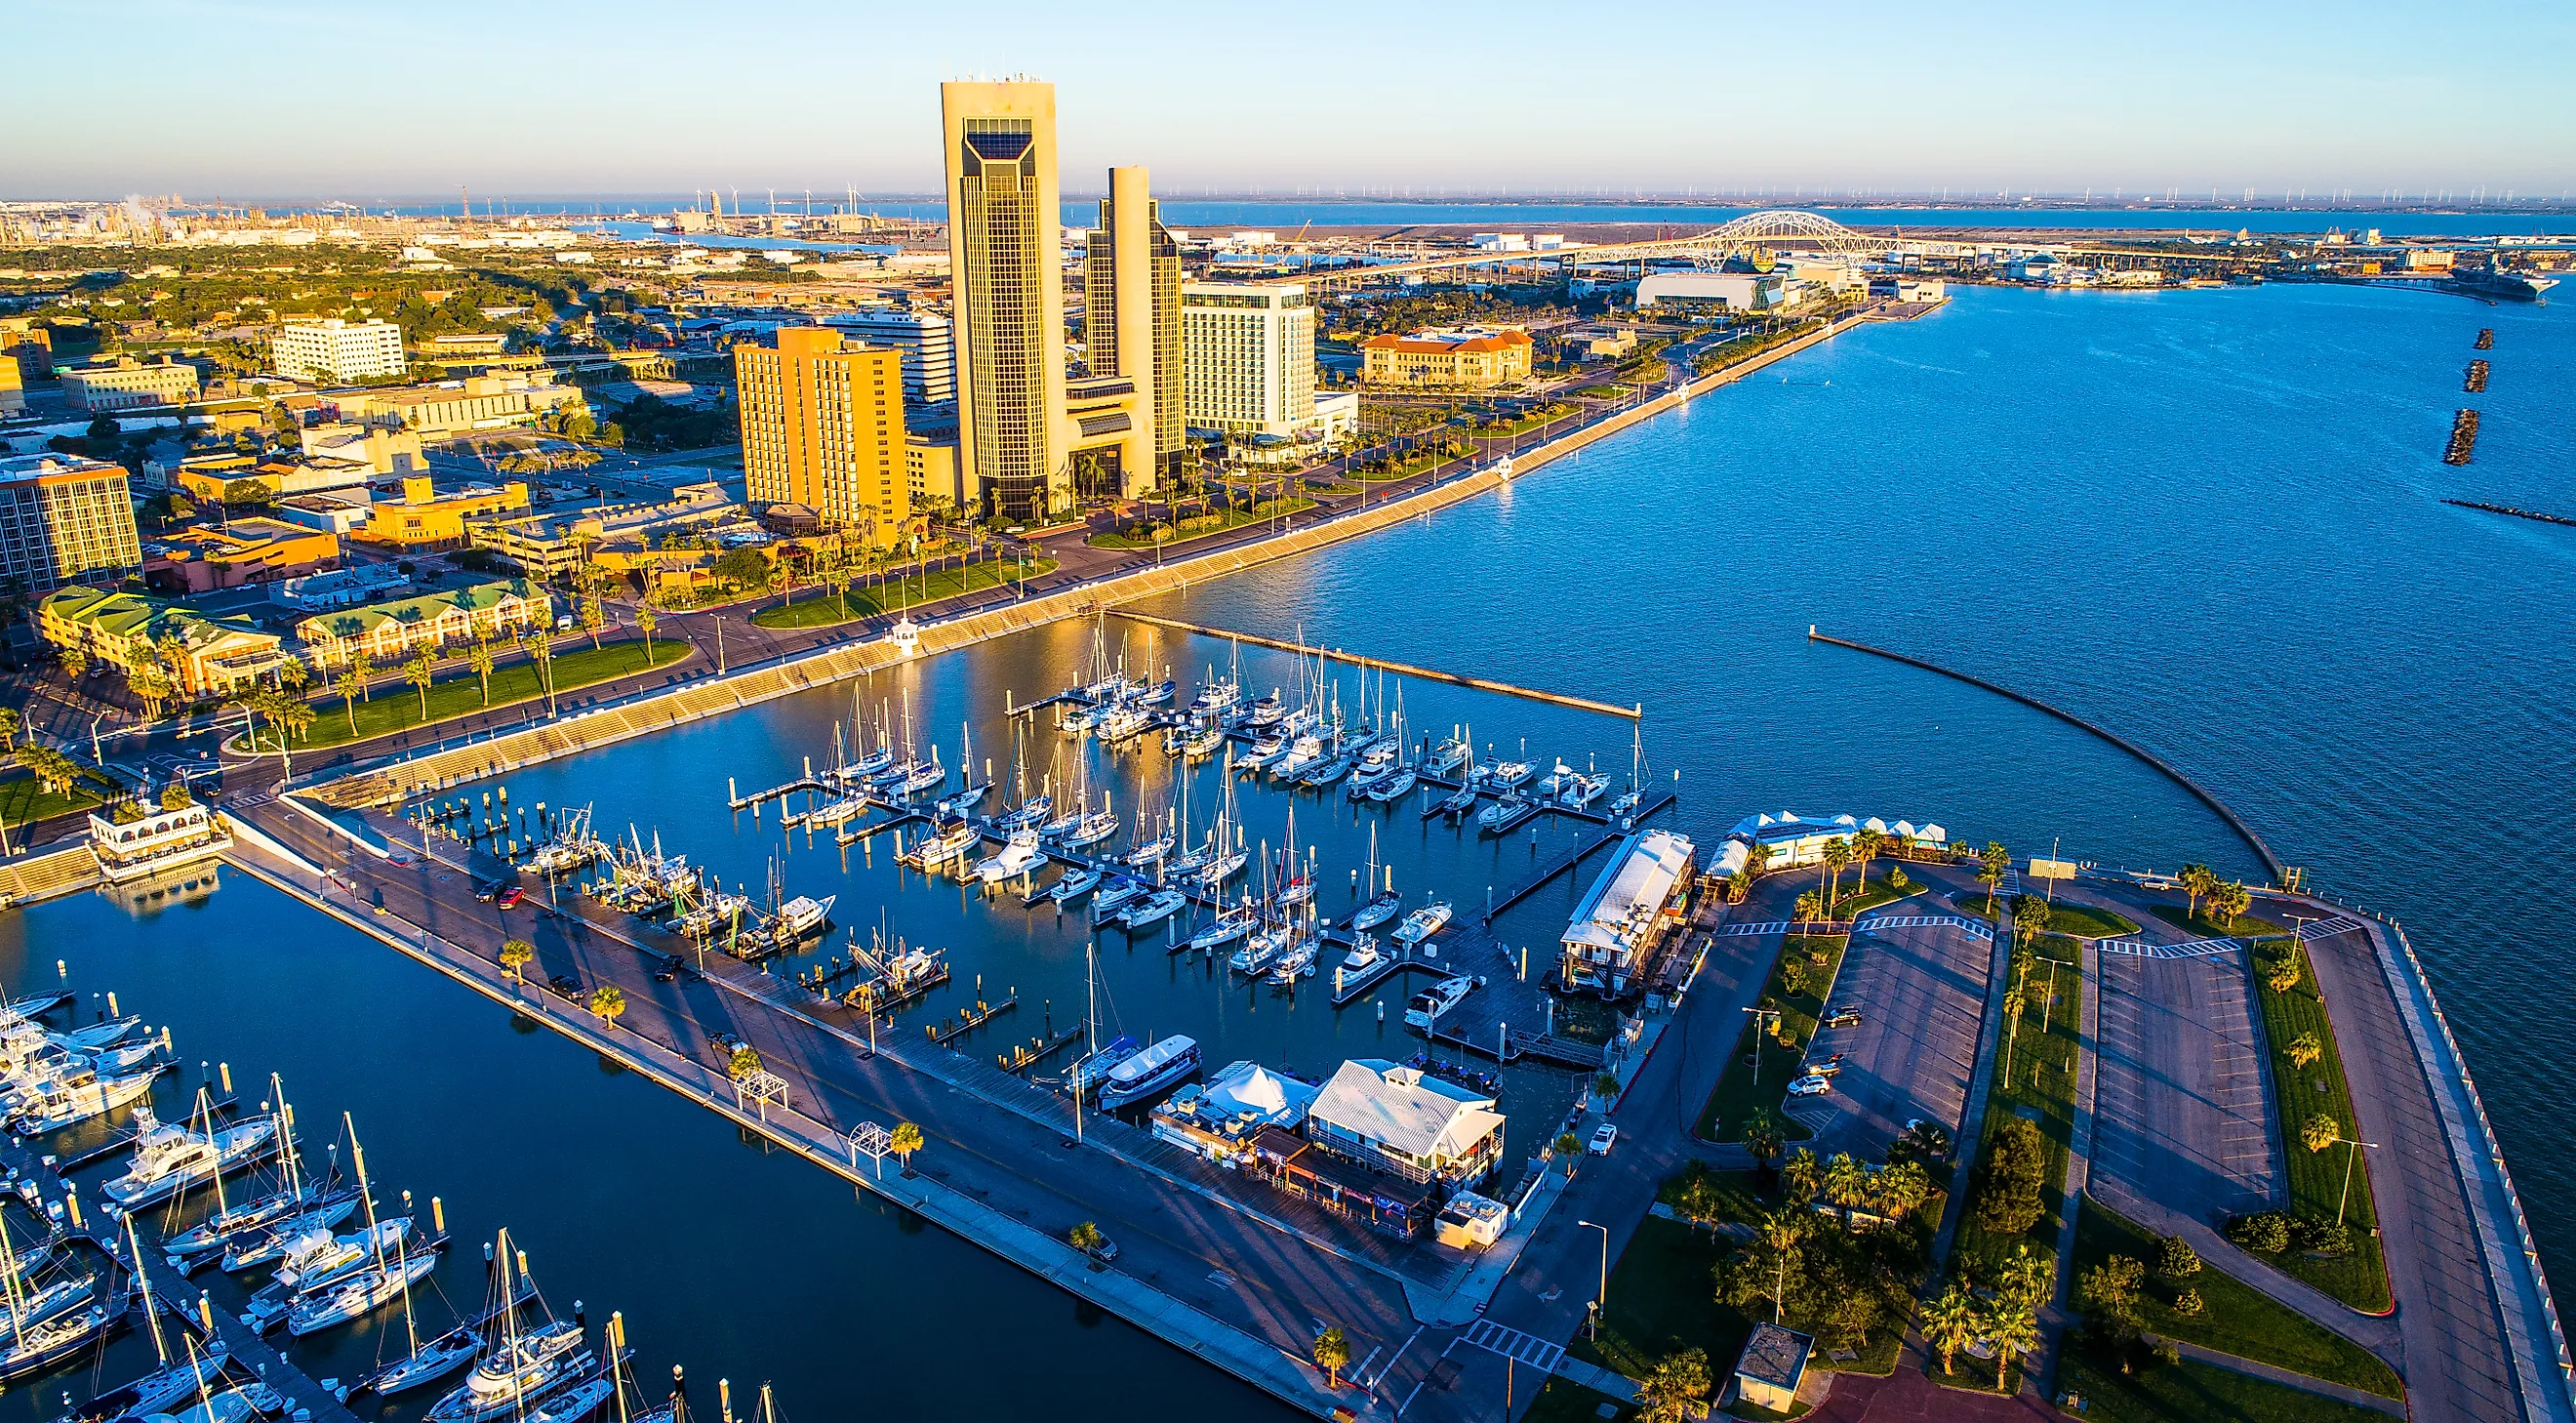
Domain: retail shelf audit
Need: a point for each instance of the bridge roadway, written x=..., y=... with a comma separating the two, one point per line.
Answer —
x=1259, y=1262
x=1779, y=227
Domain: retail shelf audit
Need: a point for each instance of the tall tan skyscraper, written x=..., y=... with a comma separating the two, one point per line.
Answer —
x=1003, y=253
x=822, y=426
x=1132, y=319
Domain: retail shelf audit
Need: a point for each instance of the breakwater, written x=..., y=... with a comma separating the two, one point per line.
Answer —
x=1401, y=669
x=2464, y=438
x=2507, y=509
x=2476, y=381
x=395, y=778
x=2235, y=822
x=2486, y=338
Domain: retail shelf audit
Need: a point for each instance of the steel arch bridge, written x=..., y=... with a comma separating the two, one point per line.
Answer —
x=1771, y=229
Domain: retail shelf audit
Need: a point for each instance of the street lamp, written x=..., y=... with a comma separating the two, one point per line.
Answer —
x=2348, y=1159
x=1758, y=1015
x=1601, y=1302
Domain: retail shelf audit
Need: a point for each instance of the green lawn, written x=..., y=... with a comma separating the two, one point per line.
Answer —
x=2235, y=1317
x=24, y=800
x=1663, y=1299
x=2245, y=928
x=1858, y=897
x=1738, y=1092
x=819, y=607
x=2359, y=1279
x=1224, y=522
x=1565, y=1401
x=2034, y=1071
x=2192, y=1392
x=2083, y=921
x=1740, y=1199
x=1416, y=465
x=396, y=707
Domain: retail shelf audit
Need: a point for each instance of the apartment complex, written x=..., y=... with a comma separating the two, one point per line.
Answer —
x=202, y=656
x=128, y=384
x=822, y=426
x=63, y=519
x=1249, y=367
x=1473, y=358
x=337, y=352
x=926, y=339
x=1132, y=326
x=387, y=632
x=13, y=387
x=999, y=156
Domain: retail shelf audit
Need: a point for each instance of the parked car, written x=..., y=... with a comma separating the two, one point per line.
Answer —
x=565, y=985
x=1843, y=1018
x=490, y=889
x=1810, y=1086
x=1602, y=1138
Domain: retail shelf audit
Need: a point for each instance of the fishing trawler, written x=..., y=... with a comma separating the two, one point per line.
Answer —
x=801, y=918
x=572, y=849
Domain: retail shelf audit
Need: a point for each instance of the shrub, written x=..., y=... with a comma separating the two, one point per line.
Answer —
x=2175, y=1259
x=2325, y=1237
x=2264, y=1232
x=1896, y=879
x=2188, y=1304
x=2319, y=1132
x=2008, y=1200
x=2110, y=1290
x=2283, y=975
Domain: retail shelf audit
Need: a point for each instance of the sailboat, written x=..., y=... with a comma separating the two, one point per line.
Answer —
x=377, y=1281
x=1382, y=904
x=44, y=1326
x=1635, y=795
x=158, y=1391
x=521, y=1367
x=294, y=1196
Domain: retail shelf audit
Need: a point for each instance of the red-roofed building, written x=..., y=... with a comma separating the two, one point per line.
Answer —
x=1473, y=358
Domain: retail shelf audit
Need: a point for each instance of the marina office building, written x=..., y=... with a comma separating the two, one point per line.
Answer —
x=1610, y=942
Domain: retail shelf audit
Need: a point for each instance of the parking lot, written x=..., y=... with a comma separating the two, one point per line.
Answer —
x=1920, y=990
x=2182, y=1118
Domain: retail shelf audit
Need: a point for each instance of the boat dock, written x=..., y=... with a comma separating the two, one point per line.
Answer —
x=809, y=783
x=1036, y=1050
x=969, y=1019
x=1401, y=669
x=1567, y=862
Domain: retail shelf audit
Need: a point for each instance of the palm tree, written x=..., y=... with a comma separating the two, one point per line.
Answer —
x=1846, y=1185
x=646, y=621
x=2196, y=880
x=364, y=666
x=1990, y=873
x=1738, y=885
x=608, y=1003
x=1951, y=1322
x=744, y=1061
x=1757, y=859
x=515, y=956
x=480, y=658
x=1779, y=1231
x=1762, y=1138
x=1802, y=1177
x=1838, y=853
x=906, y=1140
x=541, y=646
x=1867, y=846
x=422, y=673
x=2014, y=1331
x=1333, y=1354
x=1676, y=1389
x=1900, y=1189
x=11, y=724
x=2305, y=1050
x=2228, y=903
x=2030, y=1276
x=349, y=686
x=1810, y=906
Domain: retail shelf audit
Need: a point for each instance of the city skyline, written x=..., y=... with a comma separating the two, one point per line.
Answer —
x=2186, y=99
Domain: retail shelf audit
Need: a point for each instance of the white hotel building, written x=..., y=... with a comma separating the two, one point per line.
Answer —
x=338, y=352
x=1248, y=360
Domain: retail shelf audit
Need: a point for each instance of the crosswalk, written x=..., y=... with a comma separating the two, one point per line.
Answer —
x=2196, y=949
x=1513, y=1344
x=1773, y=926
x=1974, y=928
x=2328, y=928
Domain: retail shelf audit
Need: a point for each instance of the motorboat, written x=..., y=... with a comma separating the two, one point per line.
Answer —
x=801, y=918
x=99, y=1034
x=1216, y=697
x=1395, y=787
x=944, y=843
x=69, y=1102
x=1297, y=961
x=1158, y=695
x=357, y=1295
x=169, y=1159
x=1228, y=926
x=1124, y=721
x=1448, y=756
x=236, y=1227
x=1260, y=754
x=1202, y=742
x=528, y=1368
x=318, y=1259
x=1558, y=780
x=1259, y=951
x=1265, y=711
x=1113, y=900
x=1154, y=908
x=1422, y=923
x=1364, y=955
x=1018, y=855
x=1075, y=883
x=1581, y=790
x=1439, y=998
x=1092, y=1068
x=1377, y=911
x=1148, y=1072
x=1500, y=816
x=1306, y=751
x=274, y=1243
x=1079, y=720
x=1507, y=775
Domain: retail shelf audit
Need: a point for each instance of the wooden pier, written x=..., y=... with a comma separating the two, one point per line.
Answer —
x=969, y=1019
x=808, y=783
x=1029, y=1054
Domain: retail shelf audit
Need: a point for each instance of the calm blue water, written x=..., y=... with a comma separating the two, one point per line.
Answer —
x=1363, y=212
x=2209, y=520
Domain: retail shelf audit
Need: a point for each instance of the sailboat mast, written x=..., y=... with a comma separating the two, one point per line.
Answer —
x=151, y=1316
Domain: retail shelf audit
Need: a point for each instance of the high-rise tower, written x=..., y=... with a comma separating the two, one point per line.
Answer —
x=1003, y=254
x=822, y=426
x=1132, y=319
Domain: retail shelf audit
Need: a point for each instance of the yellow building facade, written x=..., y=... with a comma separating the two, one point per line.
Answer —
x=822, y=426
x=1471, y=360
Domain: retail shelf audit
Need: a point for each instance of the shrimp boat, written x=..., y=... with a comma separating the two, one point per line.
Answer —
x=573, y=848
x=943, y=844
x=800, y=919
x=1148, y=1072
x=67, y=1102
x=1018, y=855
x=169, y=1159
x=1422, y=923
x=1439, y=998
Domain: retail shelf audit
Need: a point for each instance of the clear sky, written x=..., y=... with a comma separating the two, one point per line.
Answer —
x=366, y=98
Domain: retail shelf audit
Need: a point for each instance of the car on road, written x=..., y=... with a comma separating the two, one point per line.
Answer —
x=489, y=890
x=674, y=969
x=1602, y=1139
x=1842, y=1018
x=1103, y=1250
x=726, y=1044
x=565, y=985
x=1811, y=1085
x=509, y=898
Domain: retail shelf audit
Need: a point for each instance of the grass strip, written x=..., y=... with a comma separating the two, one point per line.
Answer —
x=823, y=608
x=2317, y=1178
x=397, y=707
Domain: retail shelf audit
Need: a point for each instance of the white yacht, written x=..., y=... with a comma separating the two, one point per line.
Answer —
x=1448, y=756
x=1395, y=787
x=1439, y=998
x=1228, y=926
x=1259, y=754
x=1260, y=950
x=946, y=843
x=1154, y=908
x=1377, y=911
x=1149, y=1072
x=1018, y=856
x=526, y=1369
x=1422, y=923
x=1307, y=750
x=169, y=1159
x=1297, y=962
x=1505, y=775
x=1364, y=955
x=70, y=1101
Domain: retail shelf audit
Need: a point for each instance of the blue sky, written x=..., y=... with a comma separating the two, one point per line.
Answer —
x=365, y=98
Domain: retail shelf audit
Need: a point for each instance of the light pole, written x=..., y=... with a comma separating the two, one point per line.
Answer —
x=1600, y=1302
x=1758, y=1015
x=2348, y=1159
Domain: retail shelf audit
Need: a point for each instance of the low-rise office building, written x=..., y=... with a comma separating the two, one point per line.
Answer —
x=1616, y=927
x=203, y=656
x=432, y=518
x=128, y=384
x=333, y=351
x=336, y=511
x=343, y=587
x=1402, y=1121
x=388, y=632
x=64, y=519
x=1723, y=291
x=205, y=557
x=486, y=402
x=1472, y=358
